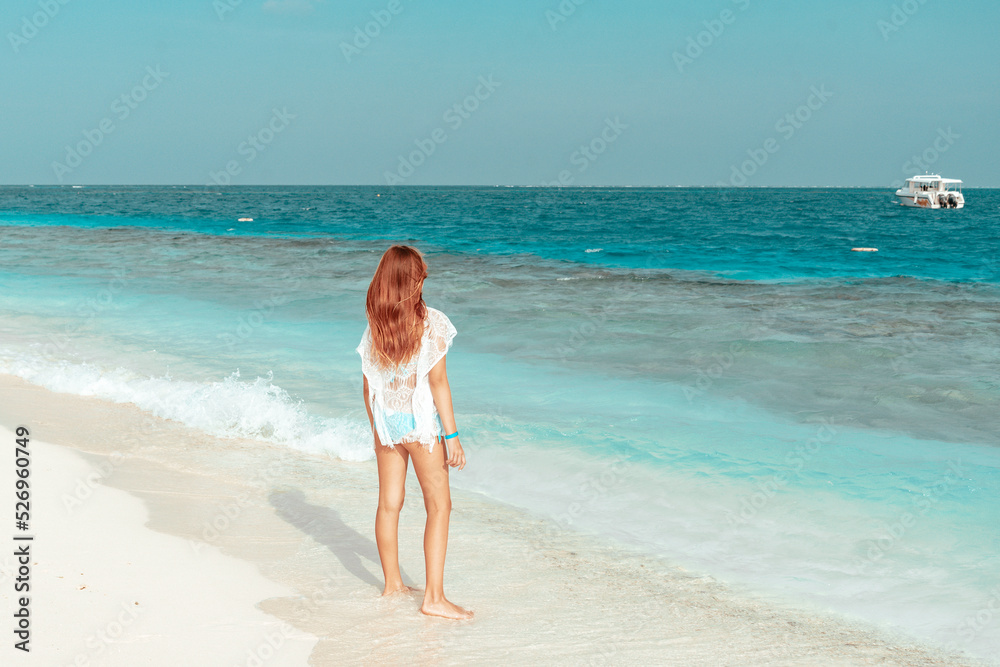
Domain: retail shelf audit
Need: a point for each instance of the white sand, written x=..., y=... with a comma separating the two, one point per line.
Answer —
x=105, y=590
x=264, y=528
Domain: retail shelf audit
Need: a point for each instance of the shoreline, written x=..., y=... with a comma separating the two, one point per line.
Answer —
x=292, y=534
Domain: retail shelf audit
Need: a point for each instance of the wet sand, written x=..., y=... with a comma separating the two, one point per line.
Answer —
x=231, y=546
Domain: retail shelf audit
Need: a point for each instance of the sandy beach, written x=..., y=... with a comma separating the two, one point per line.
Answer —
x=156, y=544
x=718, y=287
x=107, y=590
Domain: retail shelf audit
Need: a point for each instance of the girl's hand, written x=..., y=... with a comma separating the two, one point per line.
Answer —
x=456, y=455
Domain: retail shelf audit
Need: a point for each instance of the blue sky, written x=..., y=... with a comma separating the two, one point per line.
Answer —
x=597, y=93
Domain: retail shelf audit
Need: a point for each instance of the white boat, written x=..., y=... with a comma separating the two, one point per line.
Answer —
x=931, y=191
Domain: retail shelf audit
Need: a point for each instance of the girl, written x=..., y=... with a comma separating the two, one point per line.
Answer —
x=409, y=407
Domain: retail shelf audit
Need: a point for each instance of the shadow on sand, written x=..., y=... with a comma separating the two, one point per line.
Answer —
x=326, y=527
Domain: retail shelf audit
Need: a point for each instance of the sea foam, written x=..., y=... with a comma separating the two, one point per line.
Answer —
x=232, y=407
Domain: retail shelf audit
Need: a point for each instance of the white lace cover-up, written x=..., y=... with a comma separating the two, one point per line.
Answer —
x=402, y=405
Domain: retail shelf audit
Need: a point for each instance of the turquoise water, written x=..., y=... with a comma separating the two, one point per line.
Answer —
x=711, y=375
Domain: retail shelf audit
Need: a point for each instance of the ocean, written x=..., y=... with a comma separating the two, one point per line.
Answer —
x=709, y=375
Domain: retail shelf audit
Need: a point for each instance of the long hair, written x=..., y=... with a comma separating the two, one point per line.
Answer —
x=395, y=305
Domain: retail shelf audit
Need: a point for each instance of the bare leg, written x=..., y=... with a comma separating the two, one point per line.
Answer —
x=432, y=473
x=391, y=489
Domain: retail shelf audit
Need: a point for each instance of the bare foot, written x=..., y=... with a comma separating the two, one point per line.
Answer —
x=401, y=588
x=445, y=609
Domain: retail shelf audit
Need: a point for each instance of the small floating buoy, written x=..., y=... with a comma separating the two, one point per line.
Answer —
x=864, y=249
x=245, y=220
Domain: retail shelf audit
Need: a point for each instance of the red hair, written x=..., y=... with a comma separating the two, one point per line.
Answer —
x=395, y=305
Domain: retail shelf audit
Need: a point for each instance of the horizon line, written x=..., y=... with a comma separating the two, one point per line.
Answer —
x=455, y=185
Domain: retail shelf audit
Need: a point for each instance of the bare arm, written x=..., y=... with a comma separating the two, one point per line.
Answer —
x=441, y=391
x=368, y=407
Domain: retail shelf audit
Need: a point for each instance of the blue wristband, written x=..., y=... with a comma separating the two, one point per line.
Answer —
x=453, y=435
